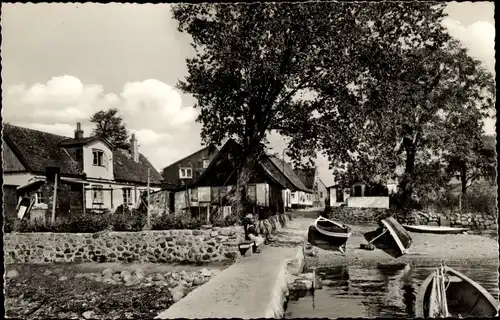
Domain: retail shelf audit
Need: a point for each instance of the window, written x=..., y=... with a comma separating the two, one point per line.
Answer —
x=206, y=162
x=98, y=157
x=321, y=194
x=127, y=196
x=40, y=198
x=252, y=193
x=185, y=173
x=194, y=195
x=293, y=195
x=97, y=195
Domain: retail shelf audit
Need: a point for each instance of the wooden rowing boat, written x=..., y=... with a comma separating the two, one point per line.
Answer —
x=448, y=293
x=333, y=232
x=434, y=229
x=398, y=233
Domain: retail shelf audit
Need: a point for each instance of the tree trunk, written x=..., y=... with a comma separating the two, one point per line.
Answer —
x=463, y=177
x=406, y=187
x=239, y=193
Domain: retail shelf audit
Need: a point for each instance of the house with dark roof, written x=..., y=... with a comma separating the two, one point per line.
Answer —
x=312, y=181
x=362, y=194
x=208, y=194
x=300, y=196
x=91, y=173
x=185, y=171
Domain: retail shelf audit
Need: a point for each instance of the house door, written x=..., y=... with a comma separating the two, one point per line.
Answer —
x=357, y=191
x=340, y=195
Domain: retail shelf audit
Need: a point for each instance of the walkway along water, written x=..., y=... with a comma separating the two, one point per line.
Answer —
x=253, y=287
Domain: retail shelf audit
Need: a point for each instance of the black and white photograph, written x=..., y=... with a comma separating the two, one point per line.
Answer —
x=305, y=159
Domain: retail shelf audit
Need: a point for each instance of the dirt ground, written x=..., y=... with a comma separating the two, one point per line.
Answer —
x=425, y=248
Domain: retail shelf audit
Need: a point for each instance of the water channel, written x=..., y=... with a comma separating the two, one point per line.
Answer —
x=383, y=291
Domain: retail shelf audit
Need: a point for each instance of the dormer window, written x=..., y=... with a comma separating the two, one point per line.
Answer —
x=185, y=173
x=98, y=158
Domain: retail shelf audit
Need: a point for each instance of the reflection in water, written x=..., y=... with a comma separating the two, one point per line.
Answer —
x=383, y=291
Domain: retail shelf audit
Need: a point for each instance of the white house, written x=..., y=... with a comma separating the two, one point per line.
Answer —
x=92, y=175
x=357, y=197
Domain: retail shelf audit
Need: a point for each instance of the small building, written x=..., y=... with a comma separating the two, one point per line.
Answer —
x=300, y=195
x=185, y=171
x=362, y=195
x=312, y=181
x=92, y=175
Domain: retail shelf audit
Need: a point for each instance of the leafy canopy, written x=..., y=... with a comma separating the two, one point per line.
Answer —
x=109, y=125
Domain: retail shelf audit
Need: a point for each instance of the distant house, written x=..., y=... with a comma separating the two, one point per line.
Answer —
x=92, y=175
x=311, y=180
x=185, y=171
x=300, y=195
x=359, y=196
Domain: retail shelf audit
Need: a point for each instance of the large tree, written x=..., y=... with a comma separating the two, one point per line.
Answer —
x=109, y=125
x=254, y=62
x=413, y=81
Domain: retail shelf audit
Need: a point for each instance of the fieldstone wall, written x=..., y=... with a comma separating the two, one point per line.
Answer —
x=215, y=244
x=473, y=221
x=349, y=215
x=190, y=246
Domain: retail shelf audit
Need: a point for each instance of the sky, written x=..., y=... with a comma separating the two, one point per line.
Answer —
x=63, y=62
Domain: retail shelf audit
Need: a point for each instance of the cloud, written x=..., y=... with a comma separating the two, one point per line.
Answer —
x=159, y=105
x=478, y=37
x=151, y=109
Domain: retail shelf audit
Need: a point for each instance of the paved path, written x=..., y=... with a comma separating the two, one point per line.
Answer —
x=247, y=289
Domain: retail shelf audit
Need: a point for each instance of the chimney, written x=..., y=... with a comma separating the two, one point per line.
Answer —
x=78, y=131
x=134, y=149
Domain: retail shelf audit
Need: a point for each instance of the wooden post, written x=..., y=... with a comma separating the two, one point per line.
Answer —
x=54, y=200
x=460, y=202
x=149, y=217
x=84, y=196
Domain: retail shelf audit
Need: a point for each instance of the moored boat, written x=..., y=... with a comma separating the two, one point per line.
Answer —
x=333, y=232
x=398, y=233
x=434, y=229
x=449, y=293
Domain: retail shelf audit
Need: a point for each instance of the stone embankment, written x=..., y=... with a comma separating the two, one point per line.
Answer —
x=188, y=246
x=193, y=246
x=473, y=221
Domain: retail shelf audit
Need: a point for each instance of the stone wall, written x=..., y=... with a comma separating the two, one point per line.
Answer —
x=215, y=244
x=350, y=215
x=473, y=221
x=191, y=246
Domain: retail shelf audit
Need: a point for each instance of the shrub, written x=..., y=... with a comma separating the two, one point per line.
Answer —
x=128, y=220
x=228, y=221
x=175, y=221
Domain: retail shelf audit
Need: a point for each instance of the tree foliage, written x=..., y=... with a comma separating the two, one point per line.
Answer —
x=412, y=84
x=372, y=85
x=109, y=125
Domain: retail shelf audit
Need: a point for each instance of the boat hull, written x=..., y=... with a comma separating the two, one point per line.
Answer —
x=398, y=233
x=316, y=237
x=434, y=230
x=465, y=297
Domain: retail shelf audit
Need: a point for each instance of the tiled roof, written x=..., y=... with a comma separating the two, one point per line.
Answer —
x=307, y=176
x=38, y=150
x=126, y=169
x=289, y=173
